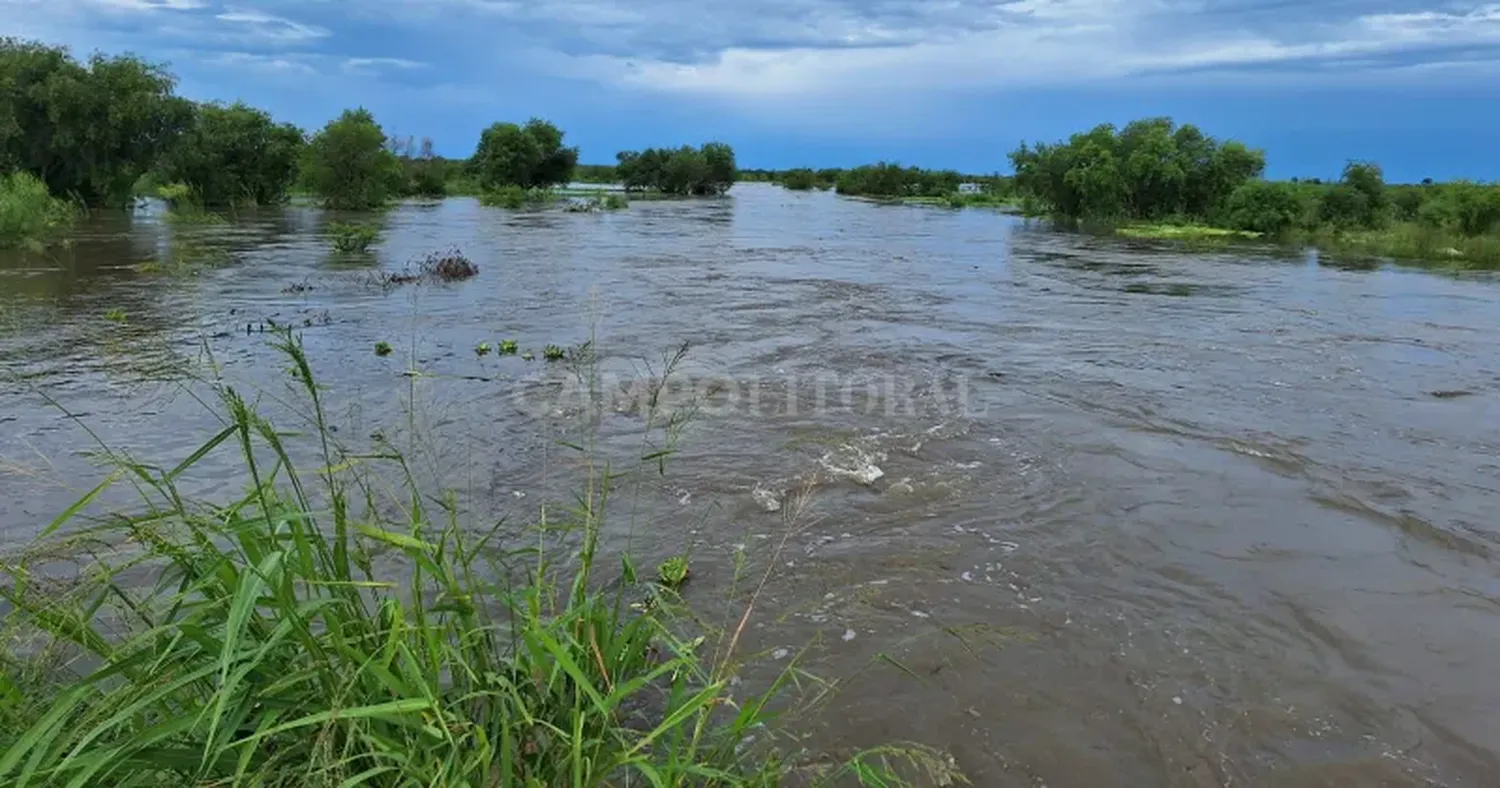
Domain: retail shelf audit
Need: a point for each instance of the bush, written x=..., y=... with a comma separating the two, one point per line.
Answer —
x=706, y=171
x=1150, y=170
x=89, y=131
x=505, y=197
x=1264, y=207
x=1345, y=207
x=29, y=215
x=800, y=179
x=530, y=156
x=352, y=238
x=887, y=179
x=235, y=155
x=348, y=165
x=1474, y=209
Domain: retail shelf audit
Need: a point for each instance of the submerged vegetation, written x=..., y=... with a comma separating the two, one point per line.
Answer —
x=234, y=155
x=348, y=165
x=527, y=157
x=342, y=626
x=352, y=238
x=704, y=171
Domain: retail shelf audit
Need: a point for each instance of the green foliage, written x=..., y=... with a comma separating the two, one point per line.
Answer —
x=29, y=215
x=615, y=202
x=425, y=174
x=116, y=315
x=554, y=353
x=348, y=165
x=342, y=627
x=88, y=131
x=505, y=197
x=1149, y=170
x=382, y=348
x=235, y=155
x=706, y=171
x=1266, y=207
x=890, y=180
x=529, y=157
x=800, y=179
x=352, y=238
x=596, y=173
x=482, y=349
x=508, y=347
x=673, y=572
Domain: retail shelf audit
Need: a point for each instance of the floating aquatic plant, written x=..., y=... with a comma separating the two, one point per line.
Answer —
x=508, y=347
x=554, y=353
x=382, y=348
x=482, y=349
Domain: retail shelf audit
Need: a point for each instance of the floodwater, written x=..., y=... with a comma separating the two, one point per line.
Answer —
x=1082, y=511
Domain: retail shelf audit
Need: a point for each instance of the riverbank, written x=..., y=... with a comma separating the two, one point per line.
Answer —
x=1404, y=242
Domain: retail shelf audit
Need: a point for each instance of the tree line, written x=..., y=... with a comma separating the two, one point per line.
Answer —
x=93, y=131
x=1155, y=170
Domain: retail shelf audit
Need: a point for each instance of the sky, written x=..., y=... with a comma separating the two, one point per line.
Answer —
x=824, y=83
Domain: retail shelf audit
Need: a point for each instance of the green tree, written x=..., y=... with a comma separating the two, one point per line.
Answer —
x=348, y=165
x=1151, y=169
x=87, y=131
x=722, y=171
x=530, y=156
x=235, y=154
x=708, y=170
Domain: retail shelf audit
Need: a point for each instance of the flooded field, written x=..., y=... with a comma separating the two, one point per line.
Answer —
x=1082, y=511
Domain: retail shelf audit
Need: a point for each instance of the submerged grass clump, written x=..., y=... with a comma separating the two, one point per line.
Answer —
x=352, y=238
x=508, y=347
x=446, y=266
x=382, y=348
x=482, y=349
x=1184, y=232
x=30, y=217
x=115, y=315
x=273, y=649
x=554, y=353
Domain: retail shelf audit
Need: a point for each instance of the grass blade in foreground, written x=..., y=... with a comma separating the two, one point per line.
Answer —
x=270, y=653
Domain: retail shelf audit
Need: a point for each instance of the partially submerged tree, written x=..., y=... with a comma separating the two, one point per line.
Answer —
x=531, y=156
x=705, y=171
x=235, y=155
x=1151, y=169
x=348, y=165
x=86, y=130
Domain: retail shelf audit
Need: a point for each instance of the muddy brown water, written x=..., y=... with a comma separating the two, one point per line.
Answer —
x=1123, y=513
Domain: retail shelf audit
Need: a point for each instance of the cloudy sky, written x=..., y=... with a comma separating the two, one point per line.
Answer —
x=951, y=83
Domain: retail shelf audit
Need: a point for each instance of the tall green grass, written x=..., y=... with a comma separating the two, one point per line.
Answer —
x=29, y=215
x=277, y=645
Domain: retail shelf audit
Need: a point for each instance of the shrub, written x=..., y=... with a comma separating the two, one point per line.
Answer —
x=235, y=155
x=1474, y=209
x=800, y=179
x=1264, y=207
x=352, y=238
x=504, y=197
x=706, y=171
x=1344, y=207
x=29, y=215
x=348, y=165
x=530, y=156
